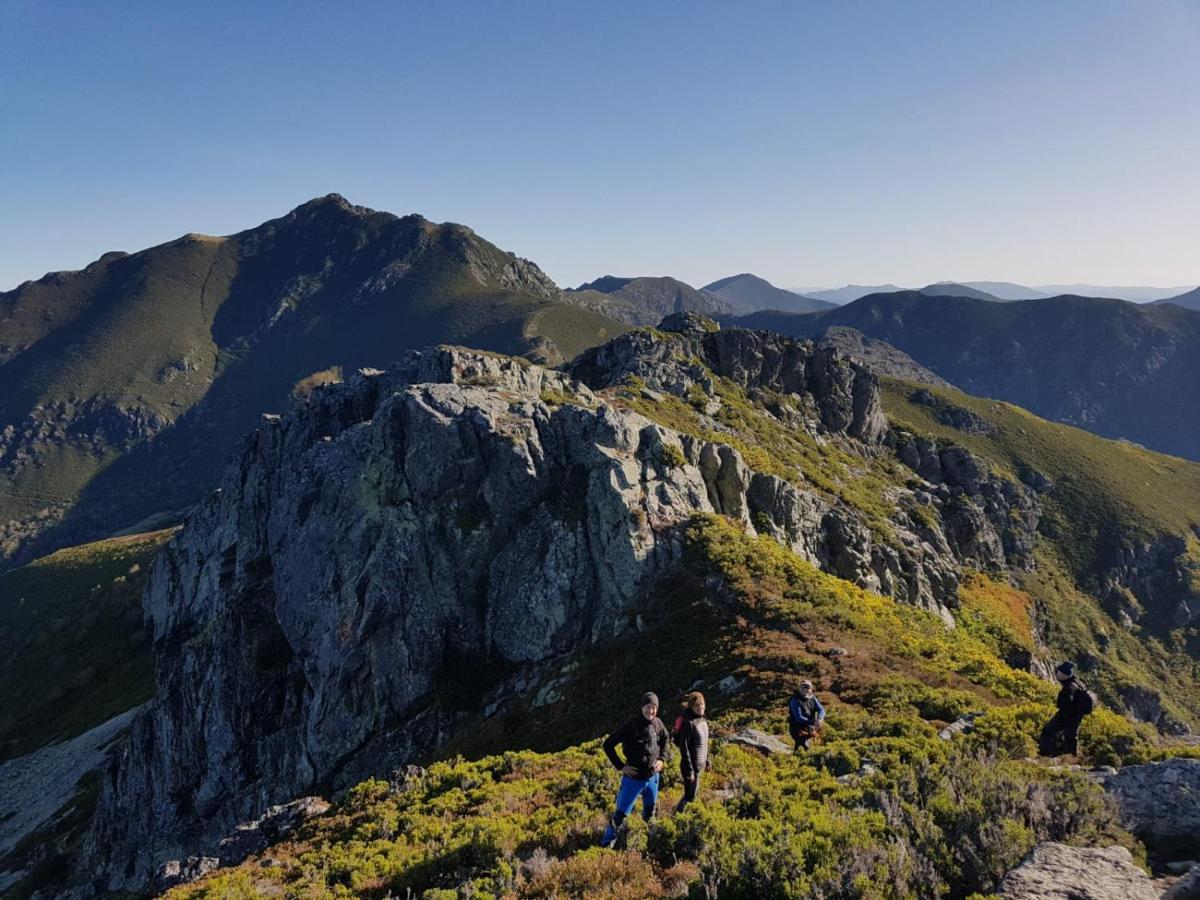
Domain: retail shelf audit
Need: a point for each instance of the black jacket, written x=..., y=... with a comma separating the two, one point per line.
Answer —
x=643, y=741
x=1073, y=702
x=693, y=744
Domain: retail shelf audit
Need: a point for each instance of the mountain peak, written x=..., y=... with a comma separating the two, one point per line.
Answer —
x=333, y=206
x=748, y=293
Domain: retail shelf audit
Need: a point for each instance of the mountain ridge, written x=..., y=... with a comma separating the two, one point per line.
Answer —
x=1114, y=367
x=181, y=346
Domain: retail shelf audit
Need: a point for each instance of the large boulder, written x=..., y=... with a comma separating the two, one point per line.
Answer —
x=1058, y=872
x=1160, y=802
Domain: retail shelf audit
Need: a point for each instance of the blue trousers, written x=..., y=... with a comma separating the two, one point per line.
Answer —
x=627, y=794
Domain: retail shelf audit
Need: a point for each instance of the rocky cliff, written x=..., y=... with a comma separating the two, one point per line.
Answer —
x=380, y=557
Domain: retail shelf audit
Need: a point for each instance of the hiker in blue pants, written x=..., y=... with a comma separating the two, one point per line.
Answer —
x=647, y=747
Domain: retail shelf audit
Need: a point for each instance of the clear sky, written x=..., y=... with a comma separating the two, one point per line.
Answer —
x=811, y=143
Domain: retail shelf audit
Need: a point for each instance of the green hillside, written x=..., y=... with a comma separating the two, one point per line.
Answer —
x=73, y=650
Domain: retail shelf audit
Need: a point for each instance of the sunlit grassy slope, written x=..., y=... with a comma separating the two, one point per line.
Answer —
x=881, y=808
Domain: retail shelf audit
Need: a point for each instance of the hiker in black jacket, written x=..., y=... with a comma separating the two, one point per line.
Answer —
x=1074, y=702
x=691, y=736
x=647, y=747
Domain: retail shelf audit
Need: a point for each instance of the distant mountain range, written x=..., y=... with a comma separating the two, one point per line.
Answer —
x=1006, y=290
x=850, y=292
x=124, y=386
x=1120, y=369
x=1133, y=293
x=748, y=293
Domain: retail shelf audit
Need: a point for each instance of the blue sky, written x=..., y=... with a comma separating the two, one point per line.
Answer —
x=811, y=143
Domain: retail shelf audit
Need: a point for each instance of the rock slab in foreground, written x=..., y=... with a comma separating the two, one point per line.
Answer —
x=1058, y=872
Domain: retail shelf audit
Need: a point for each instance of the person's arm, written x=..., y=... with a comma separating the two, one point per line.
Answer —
x=610, y=747
x=820, y=712
x=794, y=713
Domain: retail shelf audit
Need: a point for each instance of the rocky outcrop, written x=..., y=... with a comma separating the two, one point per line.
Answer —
x=1148, y=581
x=844, y=394
x=246, y=840
x=409, y=541
x=1058, y=872
x=988, y=519
x=880, y=357
x=1160, y=802
x=95, y=426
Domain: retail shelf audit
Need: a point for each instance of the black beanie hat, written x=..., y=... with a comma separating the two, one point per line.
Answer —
x=1066, y=668
x=649, y=697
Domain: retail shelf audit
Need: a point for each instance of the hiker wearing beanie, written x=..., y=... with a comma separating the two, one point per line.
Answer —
x=691, y=736
x=647, y=747
x=1061, y=734
x=806, y=715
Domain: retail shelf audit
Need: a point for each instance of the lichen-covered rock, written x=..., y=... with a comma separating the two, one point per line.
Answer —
x=1160, y=802
x=1058, y=872
x=844, y=393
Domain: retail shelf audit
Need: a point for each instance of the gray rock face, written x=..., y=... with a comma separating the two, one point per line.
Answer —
x=764, y=743
x=440, y=524
x=1058, y=872
x=1148, y=581
x=1160, y=802
x=359, y=553
x=988, y=519
x=845, y=394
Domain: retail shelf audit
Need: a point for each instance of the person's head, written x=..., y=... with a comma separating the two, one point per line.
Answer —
x=649, y=704
x=694, y=702
x=806, y=688
x=1065, y=671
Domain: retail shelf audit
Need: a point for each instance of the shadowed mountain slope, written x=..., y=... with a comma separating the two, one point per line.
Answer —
x=1008, y=290
x=124, y=386
x=1188, y=300
x=1119, y=369
x=953, y=289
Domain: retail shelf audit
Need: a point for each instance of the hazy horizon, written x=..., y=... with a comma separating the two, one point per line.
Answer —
x=808, y=145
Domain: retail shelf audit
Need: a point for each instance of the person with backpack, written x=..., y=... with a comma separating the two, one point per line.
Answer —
x=1074, y=702
x=647, y=747
x=691, y=737
x=806, y=715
